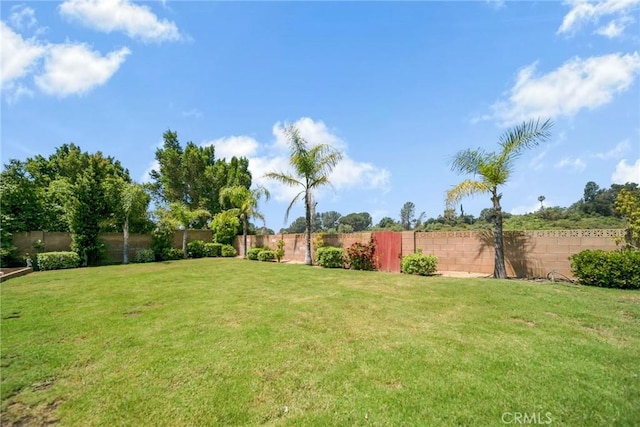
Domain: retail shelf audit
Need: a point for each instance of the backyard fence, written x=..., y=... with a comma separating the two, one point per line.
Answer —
x=527, y=253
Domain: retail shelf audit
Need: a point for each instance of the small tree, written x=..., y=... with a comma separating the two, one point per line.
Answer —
x=245, y=206
x=312, y=166
x=185, y=218
x=493, y=170
x=134, y=201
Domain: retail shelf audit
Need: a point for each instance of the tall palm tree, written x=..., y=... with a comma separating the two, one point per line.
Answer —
x=492, y=170
x=311, y=169
x=245, y=204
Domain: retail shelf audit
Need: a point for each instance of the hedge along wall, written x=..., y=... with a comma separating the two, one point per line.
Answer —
x=527, y=253
x=53, y=241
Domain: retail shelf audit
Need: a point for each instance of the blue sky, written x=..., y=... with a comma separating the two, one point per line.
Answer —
x=399, y=87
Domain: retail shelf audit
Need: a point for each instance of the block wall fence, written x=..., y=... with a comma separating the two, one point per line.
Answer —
x=527, y=253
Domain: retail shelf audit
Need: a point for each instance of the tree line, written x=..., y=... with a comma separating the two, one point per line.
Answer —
x=88, y=193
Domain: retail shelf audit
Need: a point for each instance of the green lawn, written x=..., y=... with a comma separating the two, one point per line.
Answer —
x=233, y=342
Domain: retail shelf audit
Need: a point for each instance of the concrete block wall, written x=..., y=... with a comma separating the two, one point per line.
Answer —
x=527, y=253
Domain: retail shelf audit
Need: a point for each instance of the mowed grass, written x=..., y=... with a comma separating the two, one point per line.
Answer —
x=234, y=342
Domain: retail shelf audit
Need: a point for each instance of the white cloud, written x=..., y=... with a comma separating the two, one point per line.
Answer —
x=349, y=173
x=576, y=85
x=239, y=146
x=22, y=17
x=583, y=12
x=274, y=157
x=145, y=175
x=576, y=164
x=135, y=21
x=314, y=132
x=74, y=69
x=626, y=173
x=194, y=112
x=17, y=56
x=614, y=28
x=525, y=209
x=616, y=152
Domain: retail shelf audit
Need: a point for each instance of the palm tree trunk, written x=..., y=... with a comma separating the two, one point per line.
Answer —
x=125, y=242
x=307, y=230
x=244, y=236
x=499, y=270
x=184, y=242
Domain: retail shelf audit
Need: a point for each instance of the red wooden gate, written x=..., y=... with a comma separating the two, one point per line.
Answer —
x=388, y=250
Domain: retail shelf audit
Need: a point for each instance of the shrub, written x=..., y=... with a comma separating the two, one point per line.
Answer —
x=280, y=250
x=229, y=251
x=266, y=255
x=617, y=269
x=423, y=265
x=58, y=260
x=253, y=253
x=361, y=256
x=145, y=255
x=330, y=257
x=213, y=249
x=171, y=253
x=196, y=249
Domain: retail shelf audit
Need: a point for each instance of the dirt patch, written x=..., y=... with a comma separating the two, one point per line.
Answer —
x=21, y=415
x=132, y=314
x=529, y=323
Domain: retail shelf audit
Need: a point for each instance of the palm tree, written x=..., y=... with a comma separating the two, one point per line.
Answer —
x=311, y=169
x=245, y=204
x=184, y=217
x=492, y=171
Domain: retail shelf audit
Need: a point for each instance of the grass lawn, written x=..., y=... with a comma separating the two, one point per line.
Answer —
x=233, y=342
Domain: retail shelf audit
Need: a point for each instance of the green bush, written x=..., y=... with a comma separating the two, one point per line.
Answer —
x=420, y=264
x=617, y=269
x=266, y=255
x=253, y=253
x=58, y=260
x=171, y=253
x=196, y=249
x=213, y=249
x=145, y=255
x=229, y=251
x=330, y=257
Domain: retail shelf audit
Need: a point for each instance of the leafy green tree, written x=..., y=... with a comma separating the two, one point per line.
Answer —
x=628, y=205
x=298, y=226
x=185, y=218
x=225, y=226
x=330, y=220
x=193, y=176
x=357, y=221
x=389, y=223
x=492, y=170
x=245, y=205
x=407, y=213
x=311, y=166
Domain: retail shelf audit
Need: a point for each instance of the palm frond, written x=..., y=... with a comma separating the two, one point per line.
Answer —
x=283, y=178
x=293, y=202
x=468, y=187
x=468, y=161
x=524, y=136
